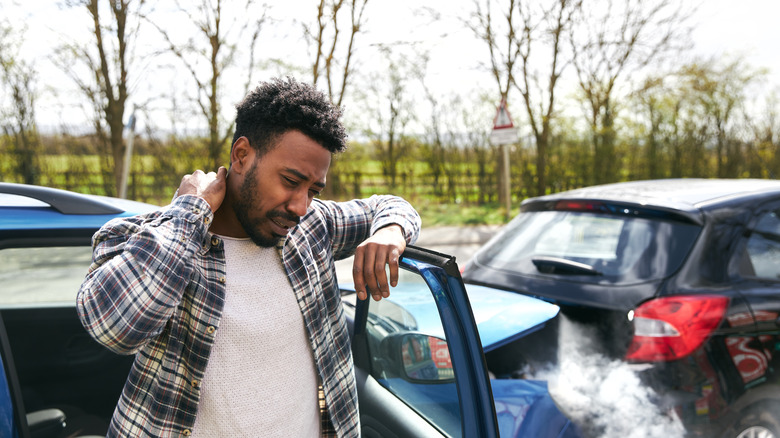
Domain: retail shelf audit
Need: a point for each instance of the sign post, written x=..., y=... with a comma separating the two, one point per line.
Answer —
x=504, y=133
x=128, y=155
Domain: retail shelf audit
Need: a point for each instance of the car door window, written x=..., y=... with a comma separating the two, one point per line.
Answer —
x=762, y=252
x=410, y=355
x=42, y=275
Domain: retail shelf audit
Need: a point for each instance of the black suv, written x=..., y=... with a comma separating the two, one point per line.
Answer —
x=680, y=277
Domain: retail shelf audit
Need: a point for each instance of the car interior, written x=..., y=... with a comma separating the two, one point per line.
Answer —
x=15, y=422
x=50, y=422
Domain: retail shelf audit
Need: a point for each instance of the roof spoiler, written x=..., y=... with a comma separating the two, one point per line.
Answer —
x=61, y=200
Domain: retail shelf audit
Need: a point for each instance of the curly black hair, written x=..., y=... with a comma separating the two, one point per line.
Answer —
x=279, y=106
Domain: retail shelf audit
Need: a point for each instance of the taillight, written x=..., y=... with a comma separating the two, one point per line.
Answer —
x=671, y=328
x=589, y=206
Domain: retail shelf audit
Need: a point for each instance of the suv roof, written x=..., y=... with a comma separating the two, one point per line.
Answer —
x=688, y=195
x=683, y=193
x=43, y=213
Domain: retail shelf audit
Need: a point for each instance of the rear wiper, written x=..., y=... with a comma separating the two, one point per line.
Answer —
x=556, y=265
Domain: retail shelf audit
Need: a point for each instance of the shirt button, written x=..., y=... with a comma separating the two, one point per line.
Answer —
x=195, y=383
x=206, y=220
x=221, y=279
x=186, y=432
x=214, y=241
x=196, y=210
x=211, y=329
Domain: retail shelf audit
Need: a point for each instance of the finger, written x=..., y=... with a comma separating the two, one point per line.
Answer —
x=184, y=180
x=380, y=274
x=371, y=270
x=393, y=263
x=221, y=173
x=184, y=185
x=357, y=274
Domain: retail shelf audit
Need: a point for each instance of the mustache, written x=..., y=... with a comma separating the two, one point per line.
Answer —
x=286, y=216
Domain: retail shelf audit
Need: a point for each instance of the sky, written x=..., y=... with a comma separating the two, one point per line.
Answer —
x=728, y=27
x=723, y=28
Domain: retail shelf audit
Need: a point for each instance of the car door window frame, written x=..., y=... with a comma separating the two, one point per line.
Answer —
x=441, y=274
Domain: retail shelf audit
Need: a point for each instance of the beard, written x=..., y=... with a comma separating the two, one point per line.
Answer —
x=249, y=197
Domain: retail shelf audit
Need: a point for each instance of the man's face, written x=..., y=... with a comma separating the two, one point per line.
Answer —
x=278, y=187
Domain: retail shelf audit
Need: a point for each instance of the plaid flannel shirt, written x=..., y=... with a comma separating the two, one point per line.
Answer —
x=156, y=289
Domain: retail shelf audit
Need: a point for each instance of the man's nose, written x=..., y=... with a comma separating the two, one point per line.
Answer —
x=299, y=203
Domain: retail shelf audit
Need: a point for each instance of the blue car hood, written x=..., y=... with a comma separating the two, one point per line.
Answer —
x=501, y=316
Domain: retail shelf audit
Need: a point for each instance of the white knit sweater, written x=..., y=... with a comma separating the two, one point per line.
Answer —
x=260, y=379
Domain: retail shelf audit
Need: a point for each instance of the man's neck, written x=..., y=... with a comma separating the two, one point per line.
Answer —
x=225, y=222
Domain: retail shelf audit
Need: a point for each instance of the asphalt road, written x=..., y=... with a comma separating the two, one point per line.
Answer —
x=461, y=242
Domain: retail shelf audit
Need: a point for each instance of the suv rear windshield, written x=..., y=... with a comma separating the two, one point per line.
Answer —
x=592, y=247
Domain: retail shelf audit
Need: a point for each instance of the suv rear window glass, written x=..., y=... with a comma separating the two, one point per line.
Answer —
x=581, y=236
x=50, y=275
x=592, y=247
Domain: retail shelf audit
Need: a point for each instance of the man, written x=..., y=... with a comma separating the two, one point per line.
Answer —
x=228, y=295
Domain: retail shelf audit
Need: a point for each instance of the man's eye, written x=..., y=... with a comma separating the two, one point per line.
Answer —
x=291, y=181
x=314, y=193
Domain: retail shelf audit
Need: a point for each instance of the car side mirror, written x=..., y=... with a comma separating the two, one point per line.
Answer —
x=425, y=359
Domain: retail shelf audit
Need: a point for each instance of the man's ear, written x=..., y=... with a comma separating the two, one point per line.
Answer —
x=241, y=155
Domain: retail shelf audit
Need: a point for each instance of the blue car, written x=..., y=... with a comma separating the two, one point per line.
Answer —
x=426, y=359
x=54, y=374
x=421, y=355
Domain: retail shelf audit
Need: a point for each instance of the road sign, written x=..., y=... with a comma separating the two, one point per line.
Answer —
x=504, y=131
x=502, y=120
x=503, y=136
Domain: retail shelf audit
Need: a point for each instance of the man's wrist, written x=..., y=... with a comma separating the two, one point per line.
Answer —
x=390, y=227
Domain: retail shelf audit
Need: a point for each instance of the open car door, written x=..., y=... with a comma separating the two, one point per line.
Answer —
x=420, y=363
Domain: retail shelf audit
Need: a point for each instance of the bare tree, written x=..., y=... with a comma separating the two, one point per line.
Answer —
x=611, y=41
x=543, y=28
x=656, y=111
x=390, y=109
x=501, y=39
x=766, y=136
x=106, y=83
x=474, y=143
x=17, y=79
x=333, y=51
x=220, y=34
x=720, y=91
x=433, y=149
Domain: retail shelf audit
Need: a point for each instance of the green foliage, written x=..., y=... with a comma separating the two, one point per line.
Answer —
x=434, y=214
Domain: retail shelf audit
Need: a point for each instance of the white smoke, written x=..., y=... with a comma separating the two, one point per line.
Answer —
x=604, y=397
